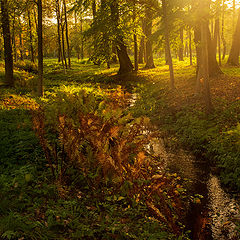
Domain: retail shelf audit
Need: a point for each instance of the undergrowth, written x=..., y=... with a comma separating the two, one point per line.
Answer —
x=83, y=173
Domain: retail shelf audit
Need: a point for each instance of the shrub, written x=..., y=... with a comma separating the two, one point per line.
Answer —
x=95, y=136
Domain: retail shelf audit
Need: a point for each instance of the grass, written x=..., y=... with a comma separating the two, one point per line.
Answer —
x=35, y=206
x=53, y=211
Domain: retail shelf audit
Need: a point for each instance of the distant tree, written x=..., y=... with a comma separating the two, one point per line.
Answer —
x=67, y=38
x=40, y=50
x=235, y=49
x=167, y=42
x=7, y=43
x=180, y=52
x=149, y=15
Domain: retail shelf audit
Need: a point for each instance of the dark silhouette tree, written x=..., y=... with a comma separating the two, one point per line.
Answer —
x=9, y=80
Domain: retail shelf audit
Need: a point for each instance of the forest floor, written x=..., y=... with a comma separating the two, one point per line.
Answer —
x=42, y=208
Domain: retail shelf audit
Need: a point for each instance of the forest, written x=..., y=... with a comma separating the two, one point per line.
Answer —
x=120, y=119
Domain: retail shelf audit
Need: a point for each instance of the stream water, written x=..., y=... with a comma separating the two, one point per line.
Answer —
x=214, y=218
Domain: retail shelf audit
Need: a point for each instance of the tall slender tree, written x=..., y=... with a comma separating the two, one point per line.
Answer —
x=167, y=42
x=9, y=80
x=67, y=37
x=40, y=50
x=235, y=49
x=148, y=33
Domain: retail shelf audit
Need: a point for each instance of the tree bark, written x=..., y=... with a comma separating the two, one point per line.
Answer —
x=222, y=35
x=20, y=41
x=190, y=46
x=63, y=48
x=148, y=34
x=124, y=60
x=141, y=50
x=167, y=43
x=9, y=80
x=40, y=51
x=135, y=53
x=235, y=49
x=67, y=39
x=180, y=52
x=30, y=36
x=60, y=58
x=204, y=62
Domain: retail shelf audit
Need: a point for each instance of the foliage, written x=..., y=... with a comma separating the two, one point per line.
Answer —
x=97, y=138
x=27, y=66
x=91, y=197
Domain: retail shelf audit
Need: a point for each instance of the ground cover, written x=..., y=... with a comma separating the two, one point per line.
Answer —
x=55, y=186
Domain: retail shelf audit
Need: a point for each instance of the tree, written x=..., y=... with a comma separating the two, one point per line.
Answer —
x=40, y=50
x=235, y=49
x=7, y=44
x=180, y=52
x=148, y=33
x=167, y=42
x=124, y=60
x=67, y=39
x=203, y=71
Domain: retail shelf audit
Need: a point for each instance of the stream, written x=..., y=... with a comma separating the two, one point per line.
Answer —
x=212, y=219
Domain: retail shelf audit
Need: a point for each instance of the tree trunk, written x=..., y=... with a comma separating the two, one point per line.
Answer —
x=30, y=36
x=9, y=80
x=60, y=58
x=67, y=39
x=124, y=60
x=82, y=42
x=20, y=40
x=234, y=53
x=217, y=25
x=167, y=43
x=180, y=53
x=135, y=39
x=40, y=51
x=190, y=46
x=204, y=64
x=233, y=15
x=222, y=35
x=141, y=50
x=148, y=33
x=135, y=53
x=13, y=37
x=213, y=66
x=63, y=48
x=197, y=40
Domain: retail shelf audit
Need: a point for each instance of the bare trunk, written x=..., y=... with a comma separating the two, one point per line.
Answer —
x=234, y=53
x=13, y=38
x=180, y=53
x=135, y=53
x=218, y=41
x=63, y=48
x=141, y=50
x=67, y=39
x=9, y=80
x=167, y=43
x=222, y=35
x=40, y=50
x=190, y=46
x=30, y=36
x=124, y=60
x=60, y=58
x=213, y=66
x=148, y=33
x=204, y=62
x=82, y=42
